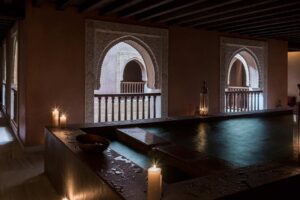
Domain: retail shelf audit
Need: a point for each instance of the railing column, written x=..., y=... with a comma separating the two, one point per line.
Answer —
x=106, y=109
x=137, y=107
x=99, y=104
x=113, y=108
x=149, y=99
x=125, y=103
x=119, y=108
x=143, y=110
x=154, y=106
x=131, y=108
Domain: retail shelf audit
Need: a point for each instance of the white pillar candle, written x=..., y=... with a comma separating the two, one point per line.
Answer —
x=154, y=183
x=63, y=120
x=55, y=117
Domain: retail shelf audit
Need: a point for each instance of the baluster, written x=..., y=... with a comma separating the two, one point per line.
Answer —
x=244, y=97
x=125, y=104
x=137, y=107
x=106, y=99
x=258, y=100
x=113, y=108
x=143, y=104
x=230, y=102
x=149, y=99
x=99, y=110
x=251, y=100
x=232, y=99
x=234, y=102
x=255, y=108
x=225, y=102
x=119, y=108
x=131, y=107
x=154, y=106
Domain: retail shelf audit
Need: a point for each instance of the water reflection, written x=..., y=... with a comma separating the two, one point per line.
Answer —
x=241, y=141
x=201, y=137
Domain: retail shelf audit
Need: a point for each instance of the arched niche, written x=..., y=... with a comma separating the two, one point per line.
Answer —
x=253, y=55
x=101, y=36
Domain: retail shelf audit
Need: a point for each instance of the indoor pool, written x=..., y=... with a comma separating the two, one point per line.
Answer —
x=240, y=141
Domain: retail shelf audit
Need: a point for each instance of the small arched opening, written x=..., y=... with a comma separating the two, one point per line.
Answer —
x=133, y=78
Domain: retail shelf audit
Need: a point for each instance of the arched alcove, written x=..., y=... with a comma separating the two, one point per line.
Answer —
x=150, y=43
x=242, y=75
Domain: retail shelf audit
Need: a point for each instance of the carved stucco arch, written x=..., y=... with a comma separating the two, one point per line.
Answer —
x=229, y=47
x=100, y=36
x=144, y=50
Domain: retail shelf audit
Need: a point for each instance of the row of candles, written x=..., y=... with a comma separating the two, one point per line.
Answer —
x=58, y=119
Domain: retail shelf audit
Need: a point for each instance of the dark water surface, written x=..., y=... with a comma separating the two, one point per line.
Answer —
x=242, y=141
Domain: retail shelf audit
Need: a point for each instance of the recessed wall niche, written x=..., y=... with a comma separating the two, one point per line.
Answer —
x=101, y=36
x=257, y=53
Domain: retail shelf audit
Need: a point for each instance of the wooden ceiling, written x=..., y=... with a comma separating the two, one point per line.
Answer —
x=277, y=19
x=10, y=11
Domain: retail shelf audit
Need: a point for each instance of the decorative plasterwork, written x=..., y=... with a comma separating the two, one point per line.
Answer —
x=101, y=36
x=229, y=47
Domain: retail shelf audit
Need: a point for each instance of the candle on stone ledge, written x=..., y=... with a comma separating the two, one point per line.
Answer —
x=154, y=183
x=55, y=117
x=63, y=121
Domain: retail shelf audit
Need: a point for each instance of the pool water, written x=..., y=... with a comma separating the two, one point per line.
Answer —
x=240, y=141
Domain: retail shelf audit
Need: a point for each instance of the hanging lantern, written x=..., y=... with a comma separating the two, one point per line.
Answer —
x=203, y=107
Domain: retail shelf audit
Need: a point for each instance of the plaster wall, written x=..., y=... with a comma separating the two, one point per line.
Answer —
x=52, y=69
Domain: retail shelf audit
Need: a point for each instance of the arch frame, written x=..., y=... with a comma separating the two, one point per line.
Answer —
x=100, y=36
x=229, y=47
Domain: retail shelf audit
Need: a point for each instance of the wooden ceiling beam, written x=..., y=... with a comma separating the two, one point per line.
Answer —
x=142, y=7
x=61, y=4
x=276, y=31
x=11, y=13
x=273, y=8
x=259, y=22
x=37, y=3
x=202, y=7
x=90, y=5
x=118, y=6
x=239, y=7
x=281, y=23
x=167, y=8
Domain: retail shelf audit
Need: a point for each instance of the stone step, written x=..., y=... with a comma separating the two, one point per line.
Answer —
x=190, y=161
x=139, y=139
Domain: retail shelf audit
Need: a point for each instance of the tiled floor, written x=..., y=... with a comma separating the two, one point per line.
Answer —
x=21, y=173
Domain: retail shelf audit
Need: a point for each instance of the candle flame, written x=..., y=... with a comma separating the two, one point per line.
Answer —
x=154, y=166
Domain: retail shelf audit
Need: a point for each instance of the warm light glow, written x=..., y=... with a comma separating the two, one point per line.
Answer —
x=63, y=120
x=64, y=198
x=55, y=117
x=154, y=183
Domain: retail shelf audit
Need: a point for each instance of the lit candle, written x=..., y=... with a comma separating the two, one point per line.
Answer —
x=63, y=120
x=55, y=117
x=154, y=183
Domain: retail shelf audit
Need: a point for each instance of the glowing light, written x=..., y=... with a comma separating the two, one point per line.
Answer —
x=64, y=198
